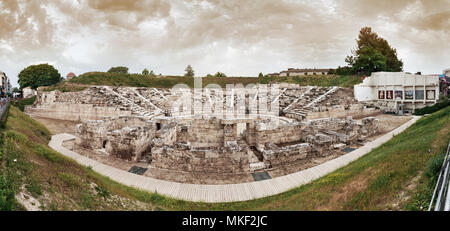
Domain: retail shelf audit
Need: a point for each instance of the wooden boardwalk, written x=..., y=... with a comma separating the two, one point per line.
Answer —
x=229, y=192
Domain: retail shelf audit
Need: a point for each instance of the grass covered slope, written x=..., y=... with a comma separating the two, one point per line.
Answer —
x=32, y=176
x=21, y=103
x=399, y=175
x=137, y=80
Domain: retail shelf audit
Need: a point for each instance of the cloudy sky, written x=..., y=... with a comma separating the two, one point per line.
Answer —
x=237, y=37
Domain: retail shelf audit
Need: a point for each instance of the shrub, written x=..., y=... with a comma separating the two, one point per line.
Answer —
x=430, y=109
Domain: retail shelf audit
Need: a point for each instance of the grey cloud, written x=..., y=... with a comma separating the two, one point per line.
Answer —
x=246, y=33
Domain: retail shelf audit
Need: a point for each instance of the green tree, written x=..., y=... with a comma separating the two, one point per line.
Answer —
x=370, y=48
x=145, y=72
x=35, y=76
x=220, y=75
x=189, y=71
x=120, y=70
x=260, y=75
x=209, y=75
x=369, y=60
x=344, y=70
x=16, y=90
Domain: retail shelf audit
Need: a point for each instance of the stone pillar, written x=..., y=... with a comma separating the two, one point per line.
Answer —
x=229, y=133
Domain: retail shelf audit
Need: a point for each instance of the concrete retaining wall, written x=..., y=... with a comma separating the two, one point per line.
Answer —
x=74, y=112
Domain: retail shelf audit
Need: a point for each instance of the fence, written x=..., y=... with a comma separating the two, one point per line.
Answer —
x=4, y=103
x=441, y=195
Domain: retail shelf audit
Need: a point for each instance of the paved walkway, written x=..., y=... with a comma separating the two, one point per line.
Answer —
x=229, y=192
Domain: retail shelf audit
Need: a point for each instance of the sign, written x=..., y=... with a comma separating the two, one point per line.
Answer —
x=380, y=94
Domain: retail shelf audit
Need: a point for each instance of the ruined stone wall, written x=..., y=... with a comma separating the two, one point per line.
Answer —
x=369, y=127
x=130, y=143
x=273, y=133
x=339, y=111
x=166, y=136
x=201, y=133
x=333, y=124
x=91, y=104
x=93, y=134
x=221, y=160
x=74, y=112
x=276, y=156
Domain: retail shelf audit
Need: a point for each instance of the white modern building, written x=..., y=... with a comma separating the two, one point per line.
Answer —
x=27, y=92
x=398, y=92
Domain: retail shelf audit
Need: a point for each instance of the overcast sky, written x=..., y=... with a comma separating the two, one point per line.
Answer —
x=237, y=37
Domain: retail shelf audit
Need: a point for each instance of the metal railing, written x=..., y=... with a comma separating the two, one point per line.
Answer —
x=441, y=195
x=3, y=106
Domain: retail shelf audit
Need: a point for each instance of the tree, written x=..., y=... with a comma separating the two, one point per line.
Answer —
x=35, y=76
x=369, y=60
x=260, y=75
x=370, y=47
x=189, y=71
x=331, y=72
x=344, y=70
x=119, y=70
x=209, y=76
x=145, y=72
x=16, y=90
x=220, y=75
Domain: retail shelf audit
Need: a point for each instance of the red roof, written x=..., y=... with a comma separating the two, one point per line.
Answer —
x=71, y=75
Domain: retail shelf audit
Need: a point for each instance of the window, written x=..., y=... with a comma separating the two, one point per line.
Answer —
x=398, y=95
x=409, y=94
x=430, y=94
x=380, y=94
x=419, y=94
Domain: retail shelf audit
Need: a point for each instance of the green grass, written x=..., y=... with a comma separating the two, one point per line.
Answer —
x=136, y=80
x=373, y=182
x=65, y=86
x=24, y=102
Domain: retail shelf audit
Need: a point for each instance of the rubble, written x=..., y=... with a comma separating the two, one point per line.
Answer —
x=137, y=125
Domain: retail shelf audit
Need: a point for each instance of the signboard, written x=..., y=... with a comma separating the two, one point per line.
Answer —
x=409, y=94
x=389, y=94
x=399, y=95
x=380, y=94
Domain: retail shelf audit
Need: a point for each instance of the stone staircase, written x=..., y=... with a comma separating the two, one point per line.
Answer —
x=304, y=104
x=137, y=105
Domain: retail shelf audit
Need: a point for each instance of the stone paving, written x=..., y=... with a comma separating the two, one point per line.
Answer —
x=229, y=192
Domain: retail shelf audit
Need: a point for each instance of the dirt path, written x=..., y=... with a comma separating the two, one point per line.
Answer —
x=58, y=126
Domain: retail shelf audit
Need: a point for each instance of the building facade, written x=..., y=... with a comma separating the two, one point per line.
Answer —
x=5, y=85
x=27, y=92
x=446, y=72
x=398, y=92
x=302, y=72
x=70, y=76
